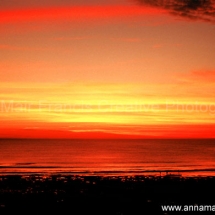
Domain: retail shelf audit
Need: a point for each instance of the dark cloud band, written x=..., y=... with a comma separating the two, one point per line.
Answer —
x=192, y=9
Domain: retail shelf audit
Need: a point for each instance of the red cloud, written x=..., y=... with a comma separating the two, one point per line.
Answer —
x=73, y=13
x=203, y=76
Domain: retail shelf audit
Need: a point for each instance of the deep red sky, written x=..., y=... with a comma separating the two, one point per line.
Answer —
x=116, y=69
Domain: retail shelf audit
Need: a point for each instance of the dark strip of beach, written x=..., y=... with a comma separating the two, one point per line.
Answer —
x=121, y=195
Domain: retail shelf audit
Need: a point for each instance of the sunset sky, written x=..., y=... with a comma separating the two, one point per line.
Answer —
x=107, y=69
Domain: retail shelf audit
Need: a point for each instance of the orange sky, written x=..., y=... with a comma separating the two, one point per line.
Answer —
x=122, y=69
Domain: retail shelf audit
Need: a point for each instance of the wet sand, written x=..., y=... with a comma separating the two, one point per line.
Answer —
x=57, y=194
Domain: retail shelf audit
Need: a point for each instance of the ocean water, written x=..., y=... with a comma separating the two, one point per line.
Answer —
x=108, y=157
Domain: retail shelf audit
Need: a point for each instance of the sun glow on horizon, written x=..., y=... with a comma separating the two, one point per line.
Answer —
x=130, y=69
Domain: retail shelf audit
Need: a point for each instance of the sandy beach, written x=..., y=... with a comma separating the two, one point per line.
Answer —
x=41, y=194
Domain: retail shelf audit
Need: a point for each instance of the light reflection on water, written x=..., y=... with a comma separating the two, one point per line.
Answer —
x=107, y=157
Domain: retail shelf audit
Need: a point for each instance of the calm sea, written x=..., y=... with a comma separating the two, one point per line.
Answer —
x=107, y=157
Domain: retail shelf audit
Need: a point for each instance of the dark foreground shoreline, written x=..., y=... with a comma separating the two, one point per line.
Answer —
x=121, y=195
